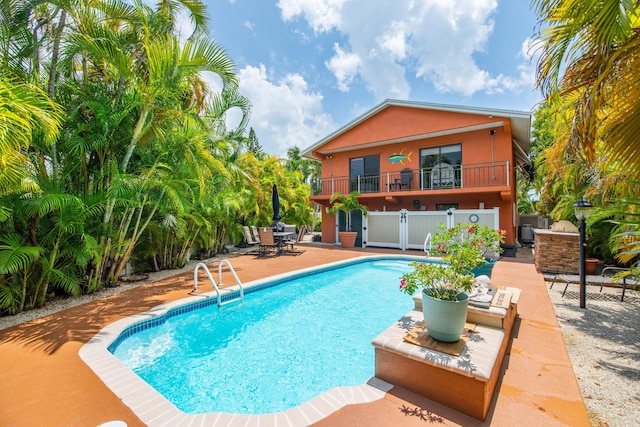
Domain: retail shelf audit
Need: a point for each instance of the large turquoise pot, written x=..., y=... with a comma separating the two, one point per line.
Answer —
x=486, y=269
x=445, y=319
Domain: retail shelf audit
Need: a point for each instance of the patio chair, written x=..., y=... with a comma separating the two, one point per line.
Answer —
x=628, y=280
x=406, y=175
x=256, y=235
x=267, y=242
x=604, y=279
x=295, y=241
x=247, y=235
x=442, y=175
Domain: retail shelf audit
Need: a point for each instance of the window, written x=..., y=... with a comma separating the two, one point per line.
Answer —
x=450, y=154
x=364, y=174
x=446, y=206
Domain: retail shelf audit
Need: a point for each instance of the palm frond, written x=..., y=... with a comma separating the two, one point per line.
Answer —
x=16, y=256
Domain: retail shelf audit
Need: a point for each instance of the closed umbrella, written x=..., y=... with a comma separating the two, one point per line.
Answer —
x=275, y=200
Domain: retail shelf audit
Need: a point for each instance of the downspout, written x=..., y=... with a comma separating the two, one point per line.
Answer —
x=493, y=174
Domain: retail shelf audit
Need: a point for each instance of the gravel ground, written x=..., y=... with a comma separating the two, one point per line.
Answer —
x=602, y=341
x=604, y=348
x=59, y=304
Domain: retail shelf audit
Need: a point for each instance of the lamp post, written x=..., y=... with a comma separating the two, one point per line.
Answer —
x=582, y=209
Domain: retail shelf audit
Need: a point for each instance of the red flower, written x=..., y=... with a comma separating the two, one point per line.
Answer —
x=471, y=230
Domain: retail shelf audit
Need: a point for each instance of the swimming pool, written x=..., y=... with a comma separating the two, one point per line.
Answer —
x=153, y=409
x=281, y=346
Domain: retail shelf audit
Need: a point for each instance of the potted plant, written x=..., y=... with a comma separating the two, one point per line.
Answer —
x=591, y=265
x=347, y=204
x=445, y=283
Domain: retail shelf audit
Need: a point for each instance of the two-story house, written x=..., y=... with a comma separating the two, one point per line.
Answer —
x=419, y=160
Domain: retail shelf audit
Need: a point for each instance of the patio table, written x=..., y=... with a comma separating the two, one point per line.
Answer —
x=280, y=238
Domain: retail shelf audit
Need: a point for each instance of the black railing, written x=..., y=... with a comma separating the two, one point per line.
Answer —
x=441, y=176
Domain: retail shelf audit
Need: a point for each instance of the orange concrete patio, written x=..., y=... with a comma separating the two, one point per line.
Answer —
x=45, y=383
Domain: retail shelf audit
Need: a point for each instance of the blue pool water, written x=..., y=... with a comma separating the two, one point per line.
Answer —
x=279, y=348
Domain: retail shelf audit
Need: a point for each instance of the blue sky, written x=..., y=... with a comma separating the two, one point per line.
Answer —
x=311, y=66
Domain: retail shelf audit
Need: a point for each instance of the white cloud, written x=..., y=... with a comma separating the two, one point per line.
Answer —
x=393, y=41
x=322, y=15
x=445, y=38
x=184, y=25
x=285, y=112
x=526, y=76
x=248, y=25
x=434, y=40
x=344, y=66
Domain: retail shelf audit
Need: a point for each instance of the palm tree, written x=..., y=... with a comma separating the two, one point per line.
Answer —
x=25, y=109
x=143, y=155
x=590, y=51
x=347, y=204
x=16, y=262
x=589, y=54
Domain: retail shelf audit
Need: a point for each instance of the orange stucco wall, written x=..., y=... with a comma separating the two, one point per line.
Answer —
x=394, y=122
x=397, y=122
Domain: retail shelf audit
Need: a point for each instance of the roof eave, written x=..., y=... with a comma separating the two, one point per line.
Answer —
x=521, y=121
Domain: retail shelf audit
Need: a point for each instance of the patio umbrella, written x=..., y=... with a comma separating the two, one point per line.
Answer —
x=275, y=200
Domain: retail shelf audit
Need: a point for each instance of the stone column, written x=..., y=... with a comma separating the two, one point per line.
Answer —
x=557, y=252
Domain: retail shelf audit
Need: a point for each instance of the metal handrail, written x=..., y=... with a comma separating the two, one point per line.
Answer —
x=427, y=240
x=213, y=282
x=233, y=273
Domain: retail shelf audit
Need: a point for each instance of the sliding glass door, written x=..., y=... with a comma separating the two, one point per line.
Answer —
x=440, y=166
x=364, y=174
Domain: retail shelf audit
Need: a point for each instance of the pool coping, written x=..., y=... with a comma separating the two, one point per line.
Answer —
x=154, y=409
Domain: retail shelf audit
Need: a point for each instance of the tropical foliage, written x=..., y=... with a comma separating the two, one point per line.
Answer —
x=347, y=204
x=590, y=122
x=463, y=249
x=115, y=149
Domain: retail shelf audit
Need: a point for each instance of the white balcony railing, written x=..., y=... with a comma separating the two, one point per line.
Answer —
x=441, y=176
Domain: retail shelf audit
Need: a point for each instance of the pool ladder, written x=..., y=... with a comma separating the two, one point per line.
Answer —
x=202, y=266
x=427, y=244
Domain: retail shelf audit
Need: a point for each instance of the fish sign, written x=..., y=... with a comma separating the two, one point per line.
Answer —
x=399, y=157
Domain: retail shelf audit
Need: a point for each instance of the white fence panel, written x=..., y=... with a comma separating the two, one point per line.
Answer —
x=488, y=217
x=419, y=224
x=408, y=229
x=382, y=229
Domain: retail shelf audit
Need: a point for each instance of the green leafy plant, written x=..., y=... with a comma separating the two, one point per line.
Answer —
x=346, y=204
x=462, y=248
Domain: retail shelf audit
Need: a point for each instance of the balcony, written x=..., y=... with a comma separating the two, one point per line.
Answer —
x=439, y=177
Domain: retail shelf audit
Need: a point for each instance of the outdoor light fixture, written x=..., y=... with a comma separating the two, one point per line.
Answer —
x=582, y=209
